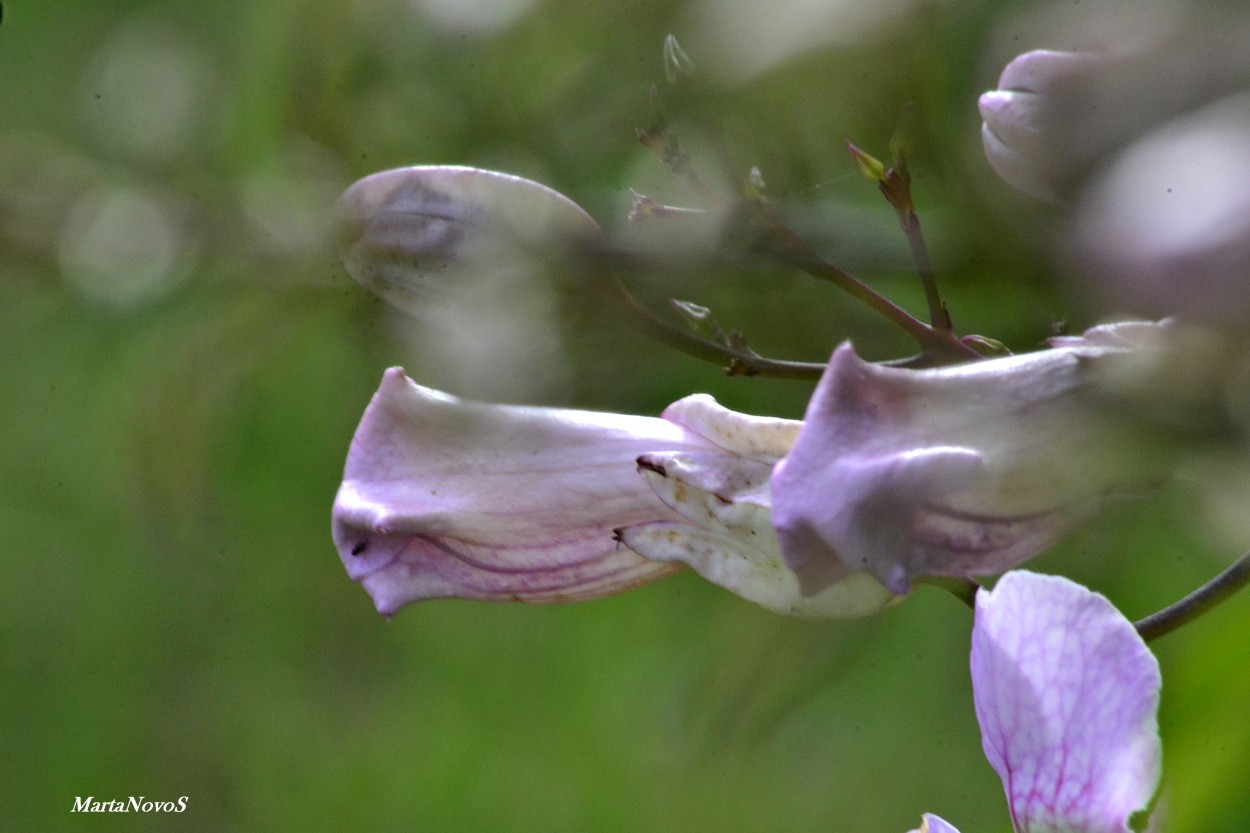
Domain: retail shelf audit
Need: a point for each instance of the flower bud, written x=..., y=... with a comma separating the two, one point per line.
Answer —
x=1029, y=136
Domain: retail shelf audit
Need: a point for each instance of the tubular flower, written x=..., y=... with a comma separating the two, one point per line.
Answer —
x=956, y=471
x=447, y=498
x=1067, y=696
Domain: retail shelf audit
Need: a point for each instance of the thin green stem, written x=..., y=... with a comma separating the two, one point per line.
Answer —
x=1235, y=577
x=739, y=363
x=895, y=185
x=939, y=316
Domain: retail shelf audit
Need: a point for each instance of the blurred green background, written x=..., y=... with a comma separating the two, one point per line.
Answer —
x=184, y=362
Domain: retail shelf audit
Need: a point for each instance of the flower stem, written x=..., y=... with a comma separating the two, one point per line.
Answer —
x=780, y=241
x=939, y=316
x=1236, y=576
x=964, y=589
x=895, y=185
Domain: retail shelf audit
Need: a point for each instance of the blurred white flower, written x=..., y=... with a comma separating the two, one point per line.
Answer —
x=1166, y=229
x=470, y=254
x=1152, y=150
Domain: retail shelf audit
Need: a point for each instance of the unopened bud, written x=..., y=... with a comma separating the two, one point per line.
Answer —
x=869, y=166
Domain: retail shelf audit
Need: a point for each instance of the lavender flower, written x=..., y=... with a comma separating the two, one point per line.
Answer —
x=447, y=498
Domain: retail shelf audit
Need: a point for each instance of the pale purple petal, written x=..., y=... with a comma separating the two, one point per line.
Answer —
x=443, y=498
x=935, y=824
x=953, y=471
x=868, y=521
x=1066, y=693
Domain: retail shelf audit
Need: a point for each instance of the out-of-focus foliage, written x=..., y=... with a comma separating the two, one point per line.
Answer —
x=185, y=362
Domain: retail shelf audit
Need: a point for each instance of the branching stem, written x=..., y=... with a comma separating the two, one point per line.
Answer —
x=778, y=240
x=738, y=363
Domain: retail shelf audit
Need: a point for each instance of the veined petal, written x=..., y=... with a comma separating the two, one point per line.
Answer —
x=405, y=568
x=1066, y=694
x=442, y=498
x=954, y=471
